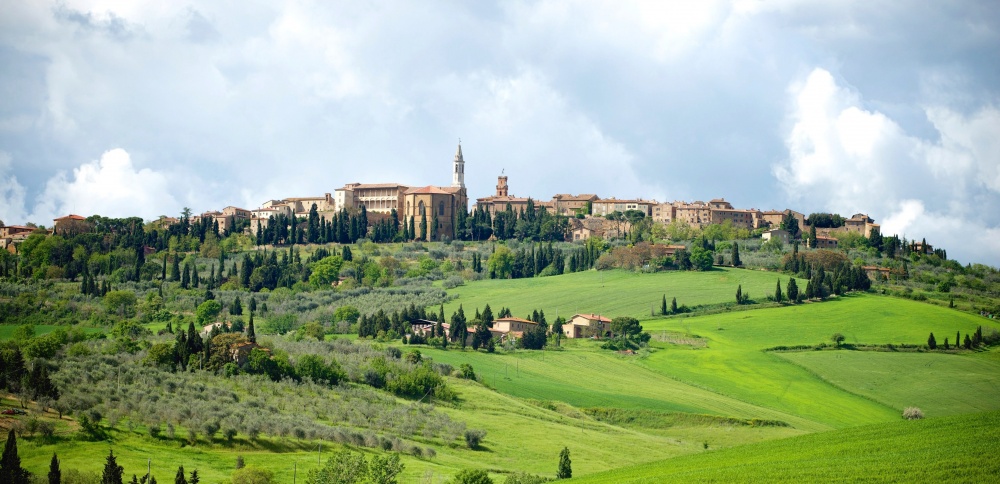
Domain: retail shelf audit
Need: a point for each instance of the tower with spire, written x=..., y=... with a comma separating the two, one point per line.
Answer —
x=458, y=170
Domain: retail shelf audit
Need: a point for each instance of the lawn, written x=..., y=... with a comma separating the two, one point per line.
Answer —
x=612, y=293
x=947, y=449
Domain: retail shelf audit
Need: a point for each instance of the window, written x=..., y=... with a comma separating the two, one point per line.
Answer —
x=441, y=208
x=420, y=208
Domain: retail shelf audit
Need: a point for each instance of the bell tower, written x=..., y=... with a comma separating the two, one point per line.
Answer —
x=458, y=170
x=502, y=186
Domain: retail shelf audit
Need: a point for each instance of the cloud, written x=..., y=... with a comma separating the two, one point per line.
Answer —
x=11, y=194
x=110, y=186
x=845, y=158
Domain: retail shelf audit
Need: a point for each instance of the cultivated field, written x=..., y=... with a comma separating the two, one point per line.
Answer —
x=618, y=293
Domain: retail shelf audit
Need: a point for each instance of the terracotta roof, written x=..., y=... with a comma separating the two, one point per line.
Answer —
x=376, y=185
x=237, y=208
x=71, y=217
x=514, y=320
x=603, y=319
x=428, y=189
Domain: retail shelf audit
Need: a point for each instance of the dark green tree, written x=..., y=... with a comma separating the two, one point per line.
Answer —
x=55, y=475
x=179, y=478
x=663, y=306
x=346, y=254
x=175, y=269
x=194, y=479
x=673, y=306
x=112, y=471
x=792, y=290
x=565, y=465
x=736, y=255
x=237, y=308
x=423, y=226
x=186, y=278
x=777, y=291
x=739, y=294
x=931, y=342
x=251, y=332
x=10, y=464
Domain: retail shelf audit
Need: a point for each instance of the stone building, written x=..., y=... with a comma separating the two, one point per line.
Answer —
x=442, y=203
x=376, y=197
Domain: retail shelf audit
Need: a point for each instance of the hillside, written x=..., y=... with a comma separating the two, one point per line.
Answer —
x=947, y=449
x=614, y=292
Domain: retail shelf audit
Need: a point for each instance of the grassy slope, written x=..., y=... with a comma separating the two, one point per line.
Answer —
x=733, y=364
x=933, y=450
x=614, y=293
x=520, y=436
x=585, y=376
x=939, y=384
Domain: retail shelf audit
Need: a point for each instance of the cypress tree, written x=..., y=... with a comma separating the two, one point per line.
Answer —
x=663, y=306
x=565, y=465
x=179, y=478
x=186, y=278
x=194, y=479
x=112, y=471
x=10, y=463
x=736, y=255
x=777, y=291
x=175, y=269
x=55, y=475
x=423, y=227
x=931, y=342
x=739, y=294
x=792, y=290
x=251, y=333
x=968, y=342
x=673, y=306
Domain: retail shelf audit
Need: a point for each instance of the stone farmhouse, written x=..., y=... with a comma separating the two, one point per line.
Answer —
x=70, y=225
x=583, y=326
x=860, y=223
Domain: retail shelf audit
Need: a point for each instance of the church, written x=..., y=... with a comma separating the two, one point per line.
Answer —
x=438, y=205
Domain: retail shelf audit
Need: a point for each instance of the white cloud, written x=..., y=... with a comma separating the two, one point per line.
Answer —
x=11, y=194
x=110, y=186
x=845, y=158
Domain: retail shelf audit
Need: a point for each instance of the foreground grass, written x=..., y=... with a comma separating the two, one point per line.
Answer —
x=612, y=293
x=943, y=449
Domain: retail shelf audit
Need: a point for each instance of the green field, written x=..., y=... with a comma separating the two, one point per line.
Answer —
x=939, y=384
x=948, y=449
x=733, y=363
x=613, y=293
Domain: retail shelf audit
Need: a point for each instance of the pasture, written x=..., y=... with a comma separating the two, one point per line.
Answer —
x=947, y=449
x=612, y=293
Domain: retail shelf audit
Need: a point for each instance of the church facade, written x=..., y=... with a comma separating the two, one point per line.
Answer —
x=440, y=208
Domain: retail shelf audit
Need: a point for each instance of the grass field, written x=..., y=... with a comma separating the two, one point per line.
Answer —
x=733, y=364
x=614, y=293
x=939, y=384
x=948, y=449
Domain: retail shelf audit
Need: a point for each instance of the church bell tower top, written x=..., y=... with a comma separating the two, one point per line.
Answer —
x=458, y=172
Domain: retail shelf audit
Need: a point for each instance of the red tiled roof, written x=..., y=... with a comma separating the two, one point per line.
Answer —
x=428, y=189
x=603, y=319
x=71, y=217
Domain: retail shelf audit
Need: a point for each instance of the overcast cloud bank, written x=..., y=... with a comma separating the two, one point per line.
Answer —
x=142, y=108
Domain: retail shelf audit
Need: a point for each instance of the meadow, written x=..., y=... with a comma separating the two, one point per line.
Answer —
x=614, y=292
x=948, y=449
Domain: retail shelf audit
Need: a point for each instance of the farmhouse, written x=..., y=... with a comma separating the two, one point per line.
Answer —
x=586, y=325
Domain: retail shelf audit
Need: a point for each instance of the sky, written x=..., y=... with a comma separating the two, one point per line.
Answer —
x=142, y=108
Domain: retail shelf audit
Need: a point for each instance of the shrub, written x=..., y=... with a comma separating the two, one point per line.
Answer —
x=253, y=475
x=913, y=413
x=472, y=476
x=473, y=437
x=465, y=371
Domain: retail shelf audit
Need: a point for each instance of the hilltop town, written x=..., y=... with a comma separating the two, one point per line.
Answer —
x=439, y=213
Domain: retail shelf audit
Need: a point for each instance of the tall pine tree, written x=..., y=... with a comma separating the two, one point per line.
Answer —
x=10, y=464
